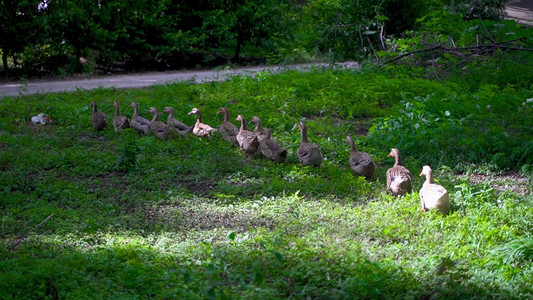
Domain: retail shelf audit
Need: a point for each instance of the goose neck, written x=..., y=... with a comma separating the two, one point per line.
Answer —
x=156, y=116
x=243, y=123
x=170, y=117
x=397, y=159
x=429, y=177
x=353, y=148
x=303, y=133
x=226, y=115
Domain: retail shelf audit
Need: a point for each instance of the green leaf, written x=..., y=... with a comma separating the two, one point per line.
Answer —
x=382, y=18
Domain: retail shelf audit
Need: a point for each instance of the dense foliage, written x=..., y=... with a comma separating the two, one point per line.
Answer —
x=59, y=37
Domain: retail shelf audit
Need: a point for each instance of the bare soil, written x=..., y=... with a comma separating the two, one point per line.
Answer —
x=513, y=182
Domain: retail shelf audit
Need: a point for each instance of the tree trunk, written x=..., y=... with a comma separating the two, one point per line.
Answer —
x=238, y=46
x=4, y=60
x=79, y=67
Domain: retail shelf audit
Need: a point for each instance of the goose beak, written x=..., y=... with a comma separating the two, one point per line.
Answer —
x=389, y=155
x=421, y=174
x=190, y=113
x=295, y=126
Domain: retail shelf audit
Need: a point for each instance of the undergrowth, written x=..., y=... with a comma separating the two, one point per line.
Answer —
x=136, y=217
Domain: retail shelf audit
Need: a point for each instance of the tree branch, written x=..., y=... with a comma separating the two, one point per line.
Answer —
x=413, y=52
x=473, y=50
x=22, y=237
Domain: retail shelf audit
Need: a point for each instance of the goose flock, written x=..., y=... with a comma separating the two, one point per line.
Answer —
x=399, y=179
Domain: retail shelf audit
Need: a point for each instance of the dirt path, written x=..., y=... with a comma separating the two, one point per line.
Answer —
x=521, y=11
x=145, y=79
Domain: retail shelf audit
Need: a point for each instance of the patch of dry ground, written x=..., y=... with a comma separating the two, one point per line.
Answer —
x=513, y=182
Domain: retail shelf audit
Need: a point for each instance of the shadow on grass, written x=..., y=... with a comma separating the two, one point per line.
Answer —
x=266, y=267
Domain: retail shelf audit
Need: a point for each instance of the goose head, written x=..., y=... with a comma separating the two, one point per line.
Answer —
x=255, y=119
x=195, y=111
x=394, y=153
x=222, y=110
x=168, y=110
x=426, y=170
x=349, y=139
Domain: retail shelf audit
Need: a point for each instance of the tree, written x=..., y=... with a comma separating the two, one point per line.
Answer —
x=234, y=24
x=71, y=26
x=16, y=27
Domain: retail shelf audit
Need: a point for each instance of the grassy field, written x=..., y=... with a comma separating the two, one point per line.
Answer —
x=135, y=217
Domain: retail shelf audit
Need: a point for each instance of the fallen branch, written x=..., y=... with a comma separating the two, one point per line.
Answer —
x=413, y=52
x=473, y=50
x=22, y=237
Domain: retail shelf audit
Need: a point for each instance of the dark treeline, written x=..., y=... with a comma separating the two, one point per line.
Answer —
x=43, y=37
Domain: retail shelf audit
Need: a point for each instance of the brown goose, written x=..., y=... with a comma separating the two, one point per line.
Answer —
x=158, y=128
x=174, y=125
x=399, y=179
x=119, y=122
x=360, y=162
x=432, y=195
x=140, y=124
x=259, y=131
x=227, y=129
x=98, y=118
x=248, y=142
x=271, y=149
x=199, y=128
x=308, y=153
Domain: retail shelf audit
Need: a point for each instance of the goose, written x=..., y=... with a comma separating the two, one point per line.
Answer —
x=119, y=122
x=200, y=129
x=271, y=149
x=174, y=125
x=158, y=128
x=140, y=124
x=360, y=162
x=248, y=142
x=308, y=153
x=227, y=129
x=171, y=120
x=259, y=131
x=98, y=118
x=432, y=195
x=399, y=179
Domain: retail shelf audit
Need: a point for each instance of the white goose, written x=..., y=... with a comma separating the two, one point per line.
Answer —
x=432, y=195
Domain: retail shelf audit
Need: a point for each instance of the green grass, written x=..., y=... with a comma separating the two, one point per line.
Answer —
x=136, y=217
